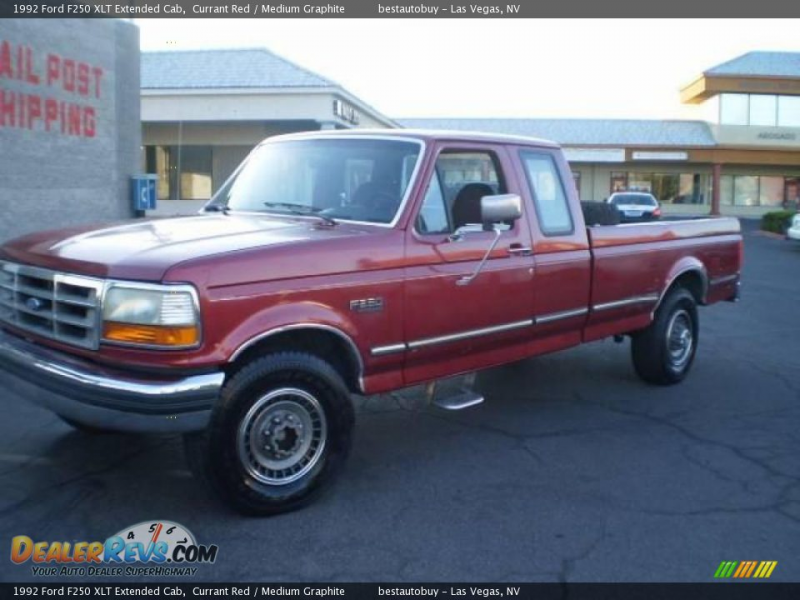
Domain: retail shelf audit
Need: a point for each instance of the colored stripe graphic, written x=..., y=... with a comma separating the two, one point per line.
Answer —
x=745, y=569
x=725, y=569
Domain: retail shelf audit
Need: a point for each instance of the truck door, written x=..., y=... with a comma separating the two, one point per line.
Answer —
x=452, y=328
x=561, y=252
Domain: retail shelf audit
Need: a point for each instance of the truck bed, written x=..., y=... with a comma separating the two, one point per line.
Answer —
x=633, y=264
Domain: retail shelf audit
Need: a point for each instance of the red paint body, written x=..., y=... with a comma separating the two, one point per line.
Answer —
x=256, y=273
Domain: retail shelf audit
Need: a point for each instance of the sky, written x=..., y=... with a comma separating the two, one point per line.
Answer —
x=496, y=68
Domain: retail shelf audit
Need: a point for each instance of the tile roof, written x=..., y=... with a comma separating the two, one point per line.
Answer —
x=587, y=132
x=228, y=68
x=760, y=64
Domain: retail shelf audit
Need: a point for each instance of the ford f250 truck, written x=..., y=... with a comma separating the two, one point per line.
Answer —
x=341, y=263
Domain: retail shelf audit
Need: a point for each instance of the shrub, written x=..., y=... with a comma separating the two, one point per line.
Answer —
x=777, y=221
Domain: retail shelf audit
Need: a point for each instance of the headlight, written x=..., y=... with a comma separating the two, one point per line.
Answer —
x=151, y=315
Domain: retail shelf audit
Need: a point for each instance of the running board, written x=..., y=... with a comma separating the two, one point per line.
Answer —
x=455, y=393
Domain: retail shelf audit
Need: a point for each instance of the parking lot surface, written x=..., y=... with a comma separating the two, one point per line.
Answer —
x=572, y=470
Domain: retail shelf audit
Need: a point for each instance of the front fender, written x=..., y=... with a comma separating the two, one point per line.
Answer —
x=286, y=317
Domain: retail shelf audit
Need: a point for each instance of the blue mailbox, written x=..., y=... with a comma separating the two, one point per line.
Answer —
x=143, y=188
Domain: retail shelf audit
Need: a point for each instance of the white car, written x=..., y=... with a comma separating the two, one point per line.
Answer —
x=793, y=233
x=635, y=206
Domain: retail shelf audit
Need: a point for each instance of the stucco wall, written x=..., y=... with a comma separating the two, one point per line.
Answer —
x=70, y=131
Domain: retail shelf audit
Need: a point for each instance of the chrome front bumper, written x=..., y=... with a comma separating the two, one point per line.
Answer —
x=106, y=398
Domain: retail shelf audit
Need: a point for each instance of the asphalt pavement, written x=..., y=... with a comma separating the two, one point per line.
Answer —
x=572, y=470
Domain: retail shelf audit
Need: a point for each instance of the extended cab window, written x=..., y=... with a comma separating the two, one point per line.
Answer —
x=548, y=193
x=453, y=197
x=349, y=179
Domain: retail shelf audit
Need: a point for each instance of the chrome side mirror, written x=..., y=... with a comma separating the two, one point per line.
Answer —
x=500, y=208
x=496, y=209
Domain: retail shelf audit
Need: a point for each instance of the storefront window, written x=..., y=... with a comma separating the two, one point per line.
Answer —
x=789, y=111
x=188, y=165
x=619, y=182
x=195, y=172
x=668, y=188
x=750, y=190
x=640, y=182
x=726, y=189
x=745, y=190
x=792, y=192
x=763, y=110
x=576, y=177
x=771, y=191
x=733, y=109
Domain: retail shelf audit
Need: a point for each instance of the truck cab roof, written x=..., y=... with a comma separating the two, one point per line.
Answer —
x=425, y=135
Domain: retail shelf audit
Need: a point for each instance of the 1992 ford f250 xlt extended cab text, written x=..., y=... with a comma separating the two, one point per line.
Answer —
x=342, y=263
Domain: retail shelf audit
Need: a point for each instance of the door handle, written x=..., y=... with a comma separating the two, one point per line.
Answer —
x=519, y=250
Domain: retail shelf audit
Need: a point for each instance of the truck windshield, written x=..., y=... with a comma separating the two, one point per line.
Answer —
x=344, y=179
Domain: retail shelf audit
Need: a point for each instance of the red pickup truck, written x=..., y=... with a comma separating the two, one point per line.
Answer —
x=340, y=263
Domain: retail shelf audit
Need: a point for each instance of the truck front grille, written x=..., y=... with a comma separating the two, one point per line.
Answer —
x=51, y=304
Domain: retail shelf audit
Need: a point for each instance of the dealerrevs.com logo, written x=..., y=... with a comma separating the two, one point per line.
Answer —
x=150, y=548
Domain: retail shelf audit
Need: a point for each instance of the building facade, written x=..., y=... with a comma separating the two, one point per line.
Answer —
x=740, y=157
x=203, y=111
x=69, y=122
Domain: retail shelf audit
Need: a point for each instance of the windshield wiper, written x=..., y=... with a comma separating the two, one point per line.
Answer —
x=301, y=209
x=223, y=208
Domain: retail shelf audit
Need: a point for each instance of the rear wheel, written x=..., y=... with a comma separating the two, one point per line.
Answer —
x=280, y=434
x=664, y=352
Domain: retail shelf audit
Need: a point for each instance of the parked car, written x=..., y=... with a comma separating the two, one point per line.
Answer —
x=793, y=233
x=635, y=206
x=248, y=327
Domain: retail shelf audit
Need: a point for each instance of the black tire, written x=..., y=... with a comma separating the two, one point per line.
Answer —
x=86, y=429
x=277, y=388
x=656, y=358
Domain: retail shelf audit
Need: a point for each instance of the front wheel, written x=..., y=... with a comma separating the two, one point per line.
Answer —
x=280, y=434
x=664, y=352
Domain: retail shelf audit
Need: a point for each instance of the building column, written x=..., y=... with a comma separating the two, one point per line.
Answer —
x=716, y=171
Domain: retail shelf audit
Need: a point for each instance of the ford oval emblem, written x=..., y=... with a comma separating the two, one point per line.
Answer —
x=34, y=304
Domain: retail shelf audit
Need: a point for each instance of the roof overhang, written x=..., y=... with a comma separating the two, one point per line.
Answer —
x=706, y=86
x=282, y=91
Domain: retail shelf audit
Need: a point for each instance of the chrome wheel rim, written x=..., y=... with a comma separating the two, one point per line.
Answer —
x=680, y=338
x=282, y=437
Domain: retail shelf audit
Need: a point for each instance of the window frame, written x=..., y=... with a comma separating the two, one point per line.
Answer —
x=535, y=197
x=411, y=186
x=502, y=184
x=448, y=217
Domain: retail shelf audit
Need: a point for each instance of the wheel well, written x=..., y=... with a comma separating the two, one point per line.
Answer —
x=327, y=345
x=694, y=282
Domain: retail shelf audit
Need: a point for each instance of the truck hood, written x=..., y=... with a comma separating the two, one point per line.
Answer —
x=146, y=249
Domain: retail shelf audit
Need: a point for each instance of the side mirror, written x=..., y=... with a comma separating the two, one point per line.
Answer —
x=500, y=208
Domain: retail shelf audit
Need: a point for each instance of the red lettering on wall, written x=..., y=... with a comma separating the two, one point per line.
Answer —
x=98, y=73
x=30, y=74
x=69, y=75
x=34, y=110
x=5, y=61
x=74, y=119
x=53, y=68
x=83, y=79
x=23, y=108
x=88, y=122
x=7, y=114
x=50, y=112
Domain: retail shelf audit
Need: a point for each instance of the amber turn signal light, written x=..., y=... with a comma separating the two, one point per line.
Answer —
x=151, y=335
